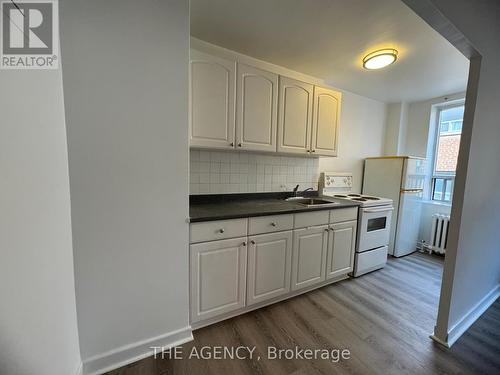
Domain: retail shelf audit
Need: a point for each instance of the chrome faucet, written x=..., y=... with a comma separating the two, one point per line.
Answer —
x=296, y=188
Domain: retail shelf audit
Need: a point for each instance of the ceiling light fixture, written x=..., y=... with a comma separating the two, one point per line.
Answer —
x=380, y=59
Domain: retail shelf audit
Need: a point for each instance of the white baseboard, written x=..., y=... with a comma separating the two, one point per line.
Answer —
x=439, y=341
x=464, y=324
x=125, y=355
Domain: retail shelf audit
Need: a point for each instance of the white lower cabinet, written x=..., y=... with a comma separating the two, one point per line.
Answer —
x=269, y=266
x=309, y=256
x=218, y=277
x=341, y=246
x=280, y=257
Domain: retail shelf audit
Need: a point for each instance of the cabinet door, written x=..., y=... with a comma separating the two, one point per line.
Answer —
x=309, y=256
x=218, y=277
x=269, y=266
x=256, y=109
x=294, y=116
x=341, y=246
x=325, y=125
x=211, y=104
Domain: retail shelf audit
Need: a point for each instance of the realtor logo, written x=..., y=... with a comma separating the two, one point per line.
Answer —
x=29, y=34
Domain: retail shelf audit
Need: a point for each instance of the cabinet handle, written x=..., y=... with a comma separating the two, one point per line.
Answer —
x=273, y=224
x=313, y=151
x=231, y=144
x=244, y=243
x=252, y=242
x=239, y=144
x=332, y=229
x=308, y=151
x=221, y=230
x=326, y=230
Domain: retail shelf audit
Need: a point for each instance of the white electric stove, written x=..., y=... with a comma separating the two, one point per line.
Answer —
x=374, y=221
x=364, y=200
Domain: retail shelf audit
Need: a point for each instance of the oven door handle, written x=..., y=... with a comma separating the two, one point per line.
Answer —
x=371, y=211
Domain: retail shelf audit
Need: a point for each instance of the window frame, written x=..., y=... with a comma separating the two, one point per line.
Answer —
x=445, y=176
x=446, y=182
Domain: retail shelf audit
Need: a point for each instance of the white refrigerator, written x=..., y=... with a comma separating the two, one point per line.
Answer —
x=402, y=179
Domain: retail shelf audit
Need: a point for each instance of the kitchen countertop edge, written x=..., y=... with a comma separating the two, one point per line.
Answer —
x=286, y=210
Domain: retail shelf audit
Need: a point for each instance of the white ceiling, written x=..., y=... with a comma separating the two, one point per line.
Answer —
x=328, y=38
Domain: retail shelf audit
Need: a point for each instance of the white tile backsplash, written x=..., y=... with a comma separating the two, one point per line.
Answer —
x=241, y=172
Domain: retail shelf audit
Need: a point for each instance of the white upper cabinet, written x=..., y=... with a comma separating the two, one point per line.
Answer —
x=294, y=116
x=325, y=125
x=242, y=106
x=212, y=101
x=256, y=109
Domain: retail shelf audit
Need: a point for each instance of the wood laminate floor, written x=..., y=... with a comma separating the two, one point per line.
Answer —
x=384, y=319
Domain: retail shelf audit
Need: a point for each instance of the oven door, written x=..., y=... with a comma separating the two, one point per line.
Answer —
x=374, y=228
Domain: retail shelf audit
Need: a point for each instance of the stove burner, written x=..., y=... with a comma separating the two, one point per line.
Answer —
x=340, y=196
x=370, y=198
x=353, y=195
x=359, y=199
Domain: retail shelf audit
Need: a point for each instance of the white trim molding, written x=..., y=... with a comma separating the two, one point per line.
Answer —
x=127, y=354
x=439, y=341
x=468, y=319
x=79, y=369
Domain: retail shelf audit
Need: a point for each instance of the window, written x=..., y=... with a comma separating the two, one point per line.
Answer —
x=450, y=127
x=442, y=188
x=448, y=134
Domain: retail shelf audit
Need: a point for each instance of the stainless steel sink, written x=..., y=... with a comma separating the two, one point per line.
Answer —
x=311, y=202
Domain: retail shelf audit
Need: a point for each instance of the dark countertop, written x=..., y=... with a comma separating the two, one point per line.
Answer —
x=232, y=206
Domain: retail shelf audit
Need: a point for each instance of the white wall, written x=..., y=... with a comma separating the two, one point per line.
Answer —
x=419, y=123
x=477, y=268
x=472, y=267
x=38, y=329
x=125, y=82
x=362, y=134
x=395, y=133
